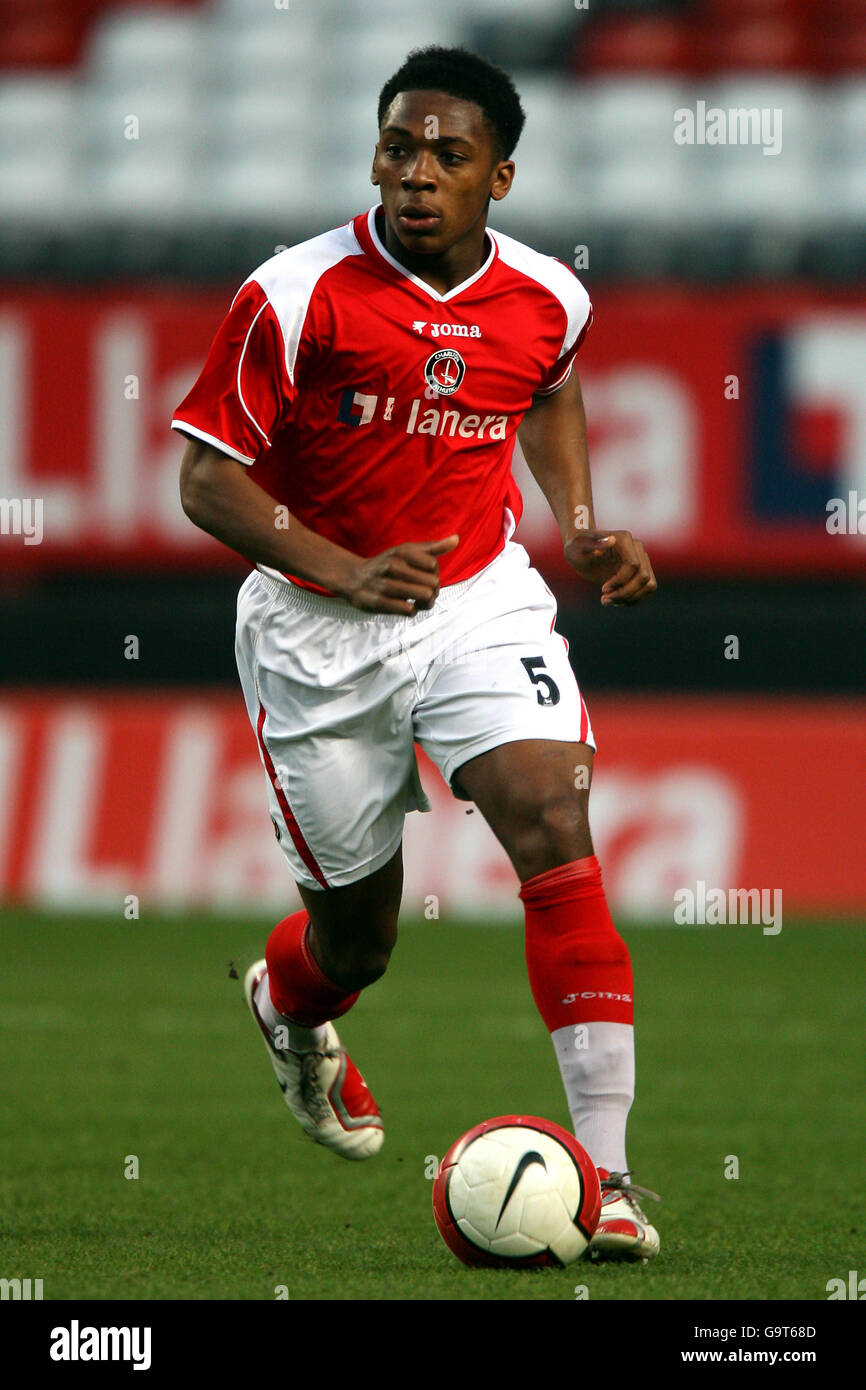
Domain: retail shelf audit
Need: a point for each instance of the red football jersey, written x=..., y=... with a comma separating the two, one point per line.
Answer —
x=378, y=410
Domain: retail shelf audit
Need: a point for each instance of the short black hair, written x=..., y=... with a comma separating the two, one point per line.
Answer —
x=462, y=74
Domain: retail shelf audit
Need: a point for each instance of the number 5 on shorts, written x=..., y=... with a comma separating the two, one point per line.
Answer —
x=531, y=665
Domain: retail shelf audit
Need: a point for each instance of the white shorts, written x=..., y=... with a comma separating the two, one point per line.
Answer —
x=338, y=698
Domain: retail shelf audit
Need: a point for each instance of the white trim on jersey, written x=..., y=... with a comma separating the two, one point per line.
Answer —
x=182, y=425
x=246, y=410
x=289, y=280
x=555, y=277
x=557, y=385
x=422, y=284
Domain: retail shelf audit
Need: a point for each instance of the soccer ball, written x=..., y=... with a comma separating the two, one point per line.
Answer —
x=515, y=1192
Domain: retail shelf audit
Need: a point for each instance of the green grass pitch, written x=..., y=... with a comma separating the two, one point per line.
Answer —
x=130, y=1039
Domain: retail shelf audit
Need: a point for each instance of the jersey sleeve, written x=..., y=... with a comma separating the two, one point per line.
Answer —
x=244, y=388
x=578, y=309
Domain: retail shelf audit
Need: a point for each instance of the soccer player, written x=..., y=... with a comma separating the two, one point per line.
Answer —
x=351, y=435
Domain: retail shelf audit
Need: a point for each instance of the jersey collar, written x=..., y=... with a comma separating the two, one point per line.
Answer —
x=377, y=248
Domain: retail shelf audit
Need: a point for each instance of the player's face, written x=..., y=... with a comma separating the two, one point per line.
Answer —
x=437, y=166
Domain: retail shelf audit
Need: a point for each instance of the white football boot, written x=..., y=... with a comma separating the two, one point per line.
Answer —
x=623, y=1231
x=323, y=1089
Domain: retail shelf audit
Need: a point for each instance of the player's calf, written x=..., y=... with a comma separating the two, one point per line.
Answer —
x=299, y=987
x=353, y=929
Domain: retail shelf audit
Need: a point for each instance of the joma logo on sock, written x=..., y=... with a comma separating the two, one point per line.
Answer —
x=597, y=994
x=76, y=1343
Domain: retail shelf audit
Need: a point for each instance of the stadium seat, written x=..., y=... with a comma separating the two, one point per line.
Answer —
x=541, y=176
x=268, y=53
x=846, y=193
x=722, y=13
x=575, y=120
x=847, y=117
x=280, y=185
x=739, y=183
x=752, y=188
x=801, y=104
x=842, y=45
x=39, y=113
x=298, y=12
x=244, y=121
x=628, y=114
x=363, y=59
x=142, y=119
x=152, y=189
x=159, y=46
x=42, y=34
x=556, y=110
x=639, y=44
x=503, y=10
x=47, y=192
x=348, y=131
x=643, y=191
x=767, y=44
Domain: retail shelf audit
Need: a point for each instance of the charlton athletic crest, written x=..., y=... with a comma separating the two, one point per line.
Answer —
x=444, y=370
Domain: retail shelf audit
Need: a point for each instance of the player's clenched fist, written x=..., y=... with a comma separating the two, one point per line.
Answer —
x=403, y=579
x=616, y=561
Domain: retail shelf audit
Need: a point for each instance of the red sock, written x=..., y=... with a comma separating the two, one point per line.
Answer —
x=579, y=966
x=299, y=989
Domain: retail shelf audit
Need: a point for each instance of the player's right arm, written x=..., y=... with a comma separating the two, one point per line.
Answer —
x=220, y=497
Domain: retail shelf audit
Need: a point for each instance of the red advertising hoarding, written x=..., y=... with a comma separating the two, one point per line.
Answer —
x=159, y=801
x=727, y=428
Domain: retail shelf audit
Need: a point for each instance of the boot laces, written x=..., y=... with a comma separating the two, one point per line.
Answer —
x=616, y=1182
x=314, y=1098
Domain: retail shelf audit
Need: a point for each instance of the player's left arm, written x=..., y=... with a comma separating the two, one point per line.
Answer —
x=552, y=436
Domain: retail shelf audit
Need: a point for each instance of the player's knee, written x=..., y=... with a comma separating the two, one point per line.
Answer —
x=360, y=966
x=552, y=831
x=357, y=955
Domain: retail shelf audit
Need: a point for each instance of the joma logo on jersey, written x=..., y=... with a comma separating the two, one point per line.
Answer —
x=447, y=330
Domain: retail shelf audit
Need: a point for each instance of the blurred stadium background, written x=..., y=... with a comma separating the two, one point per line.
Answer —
x=152, y=154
